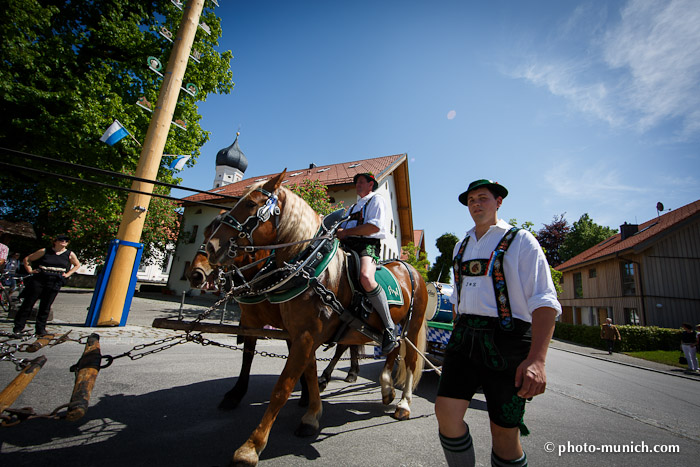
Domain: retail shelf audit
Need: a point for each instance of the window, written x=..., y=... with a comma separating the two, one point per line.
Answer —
x=578, y=285
x=184, y=271
x=167, y=262
x=632, y=317
x=142, y=266
x=193, y=235
x=591, y=273
x=628, y=286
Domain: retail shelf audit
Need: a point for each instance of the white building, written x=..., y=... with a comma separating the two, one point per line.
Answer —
x=391, y=172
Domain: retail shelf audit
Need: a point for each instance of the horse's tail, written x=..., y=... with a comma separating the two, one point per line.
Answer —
x=401, y=371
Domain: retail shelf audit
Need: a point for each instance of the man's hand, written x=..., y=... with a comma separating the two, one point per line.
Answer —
x=340, y=234
x=531, y=378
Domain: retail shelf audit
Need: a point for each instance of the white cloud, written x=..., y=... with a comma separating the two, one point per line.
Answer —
x=451, y=114
x=641, y=71
x=593, y=182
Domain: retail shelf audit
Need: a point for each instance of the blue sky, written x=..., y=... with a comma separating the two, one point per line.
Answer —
x=576, y=107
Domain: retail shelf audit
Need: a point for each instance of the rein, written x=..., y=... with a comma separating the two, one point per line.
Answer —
x=252, y=248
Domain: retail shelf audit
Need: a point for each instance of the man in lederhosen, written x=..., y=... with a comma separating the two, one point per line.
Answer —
x=363, y=233
x=505, y=305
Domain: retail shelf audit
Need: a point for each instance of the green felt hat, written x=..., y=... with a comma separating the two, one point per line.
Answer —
x=483, y=183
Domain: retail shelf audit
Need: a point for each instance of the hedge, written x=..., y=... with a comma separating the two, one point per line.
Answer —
x=634, y=338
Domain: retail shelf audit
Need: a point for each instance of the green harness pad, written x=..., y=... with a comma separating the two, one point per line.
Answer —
x=388, y=282
x=281, y=297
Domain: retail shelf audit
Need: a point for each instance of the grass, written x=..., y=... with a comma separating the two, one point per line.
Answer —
x=668, y=357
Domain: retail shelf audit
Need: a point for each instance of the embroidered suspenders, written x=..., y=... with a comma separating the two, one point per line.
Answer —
x=492, y=267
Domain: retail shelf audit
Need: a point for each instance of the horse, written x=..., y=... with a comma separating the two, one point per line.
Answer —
x=201, y=274
x=269, y=216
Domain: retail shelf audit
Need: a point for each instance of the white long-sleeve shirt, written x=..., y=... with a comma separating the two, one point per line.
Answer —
x=527, y=274
x=374, y=213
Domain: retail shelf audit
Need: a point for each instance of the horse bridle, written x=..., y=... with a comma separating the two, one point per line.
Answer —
x=246, y=228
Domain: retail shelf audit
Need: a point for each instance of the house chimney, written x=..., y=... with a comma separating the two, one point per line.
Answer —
x=312, y=166
x=627, y=230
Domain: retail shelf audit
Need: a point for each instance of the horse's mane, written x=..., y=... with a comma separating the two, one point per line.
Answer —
x=298, y=221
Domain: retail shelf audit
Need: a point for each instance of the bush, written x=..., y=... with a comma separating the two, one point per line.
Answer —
x=634, y=338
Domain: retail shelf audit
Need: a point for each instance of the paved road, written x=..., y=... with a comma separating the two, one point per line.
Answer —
x=161, y=409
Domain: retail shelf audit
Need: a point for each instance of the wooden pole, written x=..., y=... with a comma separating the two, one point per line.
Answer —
x=136, y=207
x=19, y=384
x=85, y=375
x=176, y=325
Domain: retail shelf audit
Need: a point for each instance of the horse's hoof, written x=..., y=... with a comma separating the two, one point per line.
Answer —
x=247, y=459
x=388, y=398
x=351, y=378
x=401, y=414
x=322, y=383
x=228, y=403
x=305, y=430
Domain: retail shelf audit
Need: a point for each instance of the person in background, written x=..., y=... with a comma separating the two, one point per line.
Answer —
x=4, y=250
x=689, y=342
x=53, y=267
x=11, y=269
x=609, y=333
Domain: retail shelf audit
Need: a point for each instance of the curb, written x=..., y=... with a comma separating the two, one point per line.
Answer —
x=664, y=372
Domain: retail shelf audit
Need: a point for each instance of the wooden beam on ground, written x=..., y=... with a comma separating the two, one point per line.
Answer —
x=177, y=325
x=85, y=375
x=19, y=384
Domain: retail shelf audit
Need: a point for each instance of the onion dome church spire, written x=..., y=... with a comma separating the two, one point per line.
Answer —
x=231, y=163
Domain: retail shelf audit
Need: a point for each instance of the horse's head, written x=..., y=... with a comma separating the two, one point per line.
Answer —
x=201, y=274
x=251, y=222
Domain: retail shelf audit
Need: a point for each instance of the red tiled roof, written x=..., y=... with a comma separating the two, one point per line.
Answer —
x=649, y=231
x=329, y=175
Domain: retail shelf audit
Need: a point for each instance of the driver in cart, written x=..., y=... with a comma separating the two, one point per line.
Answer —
x=363, y=233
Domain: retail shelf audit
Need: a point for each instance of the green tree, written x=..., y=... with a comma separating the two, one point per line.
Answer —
x=316, y=194
x=67, y=70
x=440, y=271
x=417, y=259
x=583, y=235
x=527, y=225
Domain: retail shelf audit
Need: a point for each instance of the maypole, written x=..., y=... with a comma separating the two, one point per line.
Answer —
x=131, y=227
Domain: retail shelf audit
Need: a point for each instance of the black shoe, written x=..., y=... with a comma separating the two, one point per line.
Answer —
x=41, y=332
x=389, y=342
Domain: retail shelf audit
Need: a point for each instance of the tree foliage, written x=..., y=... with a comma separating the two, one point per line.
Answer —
x=416, y=258
x=315, y=194
x=67, y=70
x=583, y=235
x=551, y=238
x=440, y=271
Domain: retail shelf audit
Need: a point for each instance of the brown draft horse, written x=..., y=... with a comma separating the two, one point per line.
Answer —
x=271, y=216
x=202, y=274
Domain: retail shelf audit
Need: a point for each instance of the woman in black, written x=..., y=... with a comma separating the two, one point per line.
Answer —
x=54, y=266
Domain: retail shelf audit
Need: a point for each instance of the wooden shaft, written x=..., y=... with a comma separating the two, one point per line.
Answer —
x=133, y=219
x=40, y=342
x=164, y=323
x=85, y=376
x=19, y=384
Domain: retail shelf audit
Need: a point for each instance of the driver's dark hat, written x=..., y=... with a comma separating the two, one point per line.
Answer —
x=370, y=178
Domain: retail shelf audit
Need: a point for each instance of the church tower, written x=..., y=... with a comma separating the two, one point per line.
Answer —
x=231, y=163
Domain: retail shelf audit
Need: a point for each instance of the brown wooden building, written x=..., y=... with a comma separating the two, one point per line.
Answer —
x=648, y=274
